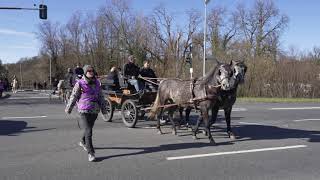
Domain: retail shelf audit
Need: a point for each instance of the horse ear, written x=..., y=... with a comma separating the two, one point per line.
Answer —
x=232, y=62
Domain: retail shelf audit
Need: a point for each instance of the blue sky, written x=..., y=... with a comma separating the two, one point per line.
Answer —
x=17, y=28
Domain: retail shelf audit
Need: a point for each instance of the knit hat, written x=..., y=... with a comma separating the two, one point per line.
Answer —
x=86, y=68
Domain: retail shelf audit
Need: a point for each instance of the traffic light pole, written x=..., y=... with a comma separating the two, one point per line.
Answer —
x=42, y=10
x=16, y=8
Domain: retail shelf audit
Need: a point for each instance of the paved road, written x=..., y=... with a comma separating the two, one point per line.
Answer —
x=38, y=141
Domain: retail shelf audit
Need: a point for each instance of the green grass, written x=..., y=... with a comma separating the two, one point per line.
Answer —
x=278, y=100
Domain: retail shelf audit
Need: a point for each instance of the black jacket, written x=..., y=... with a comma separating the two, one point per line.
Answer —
x=69, y=79
x=130, y=69
x=147, y=72
x=78, y=71
x=113, y=77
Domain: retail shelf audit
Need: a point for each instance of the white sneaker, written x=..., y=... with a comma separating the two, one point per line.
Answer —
x=83, y=146
x=91, y=157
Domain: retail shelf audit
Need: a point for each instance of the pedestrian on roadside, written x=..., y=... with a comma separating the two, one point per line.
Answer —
x=88, y=95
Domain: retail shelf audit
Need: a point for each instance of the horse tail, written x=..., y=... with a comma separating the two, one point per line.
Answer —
x=154, y=108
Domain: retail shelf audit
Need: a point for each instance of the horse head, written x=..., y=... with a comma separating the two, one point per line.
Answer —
x=221, y=75
x=239, y=71
x=224, y=76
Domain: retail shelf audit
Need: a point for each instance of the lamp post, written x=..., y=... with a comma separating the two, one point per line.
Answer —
x=20, y=77
x=204, y=36
x=50, y=74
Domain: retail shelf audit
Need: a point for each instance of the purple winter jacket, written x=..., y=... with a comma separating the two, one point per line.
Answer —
x=89, y=97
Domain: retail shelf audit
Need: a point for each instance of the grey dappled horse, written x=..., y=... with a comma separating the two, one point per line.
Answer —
x=204, y=90
x=227, y=98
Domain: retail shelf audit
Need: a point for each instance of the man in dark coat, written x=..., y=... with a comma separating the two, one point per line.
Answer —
x=147, y=72
x=131, y=72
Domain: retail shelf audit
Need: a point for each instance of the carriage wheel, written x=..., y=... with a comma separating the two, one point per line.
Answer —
x=108, y=117
x=129, y=113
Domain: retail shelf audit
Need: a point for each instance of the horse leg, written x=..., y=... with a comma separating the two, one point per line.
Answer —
x=195, y=130
x=158, y=121
x=181, y=115
x=174, y=130
x=207, y=125
x=214, y=114
x=227, y=114
x=188, y=110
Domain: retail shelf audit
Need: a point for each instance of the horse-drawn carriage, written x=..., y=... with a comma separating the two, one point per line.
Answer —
x=132, y=105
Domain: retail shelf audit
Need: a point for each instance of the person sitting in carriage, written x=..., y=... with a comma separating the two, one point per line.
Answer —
x=131, y=72
x=69, y=79
x=147, y=72
x=114, y=79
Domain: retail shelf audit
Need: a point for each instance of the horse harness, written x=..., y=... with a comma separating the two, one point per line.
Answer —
x=208, y=93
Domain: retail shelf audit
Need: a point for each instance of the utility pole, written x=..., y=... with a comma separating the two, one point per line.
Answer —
x=20, y=76
x=204, y=36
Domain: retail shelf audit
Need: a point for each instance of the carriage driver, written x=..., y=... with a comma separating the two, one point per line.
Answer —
x=147, y=72
x=131, y=71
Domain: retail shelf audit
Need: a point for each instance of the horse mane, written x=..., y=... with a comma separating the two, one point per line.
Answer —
x=208, y=77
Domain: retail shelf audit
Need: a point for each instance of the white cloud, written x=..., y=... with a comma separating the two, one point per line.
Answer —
x=22, y=47
x=17, y=33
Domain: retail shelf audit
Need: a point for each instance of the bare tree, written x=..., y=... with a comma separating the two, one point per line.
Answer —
x=260, y=22
x=48, y=35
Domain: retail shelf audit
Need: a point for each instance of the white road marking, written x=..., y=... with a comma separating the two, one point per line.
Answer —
x=28, y=117
x=300, y=120
x=236, y=109
x=235, y=152
x=295, y=108
x=35, y=97
x=249, y=123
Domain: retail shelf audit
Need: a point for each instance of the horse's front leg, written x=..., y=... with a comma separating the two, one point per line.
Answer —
x=215, y=110
x=227, y=114
x=170, y=114
x=158, y=121
x=195, y=130
x=181, y=115
x=188, y=110
x=207, y=124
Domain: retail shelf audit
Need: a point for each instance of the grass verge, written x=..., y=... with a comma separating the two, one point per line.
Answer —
x=278, y=100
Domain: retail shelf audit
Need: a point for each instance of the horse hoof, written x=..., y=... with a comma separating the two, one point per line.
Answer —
x=195, y=137
x=174, y=132
x=159, y=132
x=212, y=142
x=232, y=136
x=204, y=133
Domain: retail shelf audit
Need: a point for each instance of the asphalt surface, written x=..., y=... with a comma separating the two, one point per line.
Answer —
x=39, y=141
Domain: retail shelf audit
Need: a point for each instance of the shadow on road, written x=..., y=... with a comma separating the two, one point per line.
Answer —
x=14, y=128
x=161, y=148
x=264, y=132
x=5, y=96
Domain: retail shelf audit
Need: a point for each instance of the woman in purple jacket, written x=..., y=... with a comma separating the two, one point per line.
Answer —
x=90, y=100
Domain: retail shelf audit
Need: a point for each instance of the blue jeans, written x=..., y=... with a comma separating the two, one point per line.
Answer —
x=135, y=83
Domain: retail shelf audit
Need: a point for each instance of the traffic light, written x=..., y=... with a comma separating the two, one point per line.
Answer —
x=42, y=11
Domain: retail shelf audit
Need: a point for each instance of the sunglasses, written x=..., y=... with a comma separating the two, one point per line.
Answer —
x=90, y=70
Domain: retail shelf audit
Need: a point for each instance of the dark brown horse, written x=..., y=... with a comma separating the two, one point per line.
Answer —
x=226, y=98
x=201, y=93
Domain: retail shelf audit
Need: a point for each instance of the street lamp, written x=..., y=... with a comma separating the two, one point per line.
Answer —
x=50, y=73
x=204, y=36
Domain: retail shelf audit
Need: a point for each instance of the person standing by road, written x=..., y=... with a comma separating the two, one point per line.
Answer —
x=90, y=99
